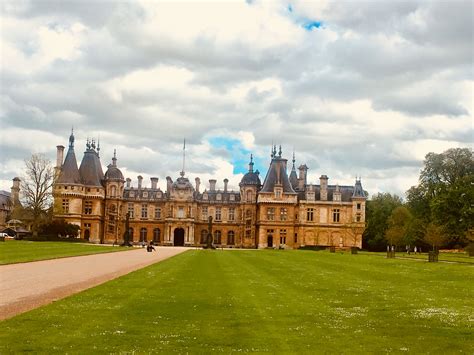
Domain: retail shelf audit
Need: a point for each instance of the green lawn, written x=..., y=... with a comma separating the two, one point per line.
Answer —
x=19, y=251
x=260, y=301
x=453, y=257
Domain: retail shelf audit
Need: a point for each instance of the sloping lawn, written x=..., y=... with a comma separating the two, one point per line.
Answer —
x=260, y=301
x=19, y=251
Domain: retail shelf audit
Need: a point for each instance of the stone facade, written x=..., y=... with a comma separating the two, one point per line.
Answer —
x=283, y=212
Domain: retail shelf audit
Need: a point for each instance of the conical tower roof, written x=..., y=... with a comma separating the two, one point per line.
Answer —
x=91, y=169
x=69, y=171
x=277, y=175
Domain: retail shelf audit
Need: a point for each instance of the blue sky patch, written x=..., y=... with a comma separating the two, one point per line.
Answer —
x=310, y=25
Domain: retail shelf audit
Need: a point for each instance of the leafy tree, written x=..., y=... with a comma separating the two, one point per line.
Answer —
x=398, y=226
x=59, y=227
x=379, y=209
x=36, y=188
x=434, y=236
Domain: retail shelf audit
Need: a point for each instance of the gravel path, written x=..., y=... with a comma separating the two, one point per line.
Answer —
x=29, y=285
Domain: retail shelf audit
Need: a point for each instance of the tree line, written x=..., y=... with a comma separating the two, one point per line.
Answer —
x=438, y=212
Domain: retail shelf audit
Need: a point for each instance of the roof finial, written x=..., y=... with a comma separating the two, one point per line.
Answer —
x=184, y=156
x=114, y=159
x=279, y=152
x=88, y=143
x=251, y=164
x=71, y=138
x=93, y=143
x=293, y=160
x=271, y=149
x=98, y=145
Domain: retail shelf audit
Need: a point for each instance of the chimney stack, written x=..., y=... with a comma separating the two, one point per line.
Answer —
x=59, y=156
x=323, y=183
x=15, y=190
x=212, y=184
x=169, y=182
x=128, y=182
x=198, y=184
x=302, y=177
x=140, y=179
x=154, y=182
x=226, y=181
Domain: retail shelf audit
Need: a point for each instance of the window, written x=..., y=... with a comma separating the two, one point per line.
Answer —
x=230, y=238
x=336, y=215
x=157, y=235
x=130, y=234
x=143, y=235
x=283, y=214
x=270, y=213
x=249, y=196
x=112, y=209
x=130, y=210
x=309, y=214
x=87, y=207
x=180, y=212
x=145, y=194
x=113, y=191
x=248, y=223
x=282, y=236
x=358, y=217
x=65, y=206
x=231, y=214
x=157, y=212
x=248, y=233
x=205, y=196
x=278, y=193
x=217, y=237
x=144, y=210
x=358, y=206
x=218, y=214
x=248, y=213
x=204, y=213
x=232, y=197
x=132, y=194
x=204, y=236
x=219, y=197
x=296, y=237
x=111, y=225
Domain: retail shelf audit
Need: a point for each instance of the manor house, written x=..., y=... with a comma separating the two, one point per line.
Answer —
x=285, y=211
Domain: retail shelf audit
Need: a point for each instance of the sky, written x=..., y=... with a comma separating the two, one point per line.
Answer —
x=354, y=88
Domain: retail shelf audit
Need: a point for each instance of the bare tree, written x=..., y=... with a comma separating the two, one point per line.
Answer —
x=36, y=187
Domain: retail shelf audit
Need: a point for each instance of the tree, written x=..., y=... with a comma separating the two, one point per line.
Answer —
x=379, y=209
x=398, y=226
x=54, y=228
x=434, y=236
x=36, y=187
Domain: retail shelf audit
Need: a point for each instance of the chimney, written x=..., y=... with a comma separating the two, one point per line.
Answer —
x=168, y=183
x=128, y=182
x=226, y=181
x=154, y=182
x=323, y=183
x=302, y=177
x=212, y=184
x=59, y=155
x=198, y=183
x=140, y=179
x=15, y=190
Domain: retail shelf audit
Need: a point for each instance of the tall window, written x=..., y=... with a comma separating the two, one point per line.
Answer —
x=112, y=209
x=204, y=236
x=282, y=236
x=336, y=215
x=296, y=237
x=157, y=213
x=143, y=235
x=309, y=214
x=113, y=191
x=283, y=214
x=218, y=214
x=87, y=207
x=111, y=226
x=204, y=213
x=65, y=205
x=358, y=217
x=144, y=210
x=180, y=212
x=248, y=233
x=358, y=206
x=231, y=214
x=230, y=238
x=217, y=237
x=157, y=235
x=130, y=210
x=249, y=196
x=270, y=213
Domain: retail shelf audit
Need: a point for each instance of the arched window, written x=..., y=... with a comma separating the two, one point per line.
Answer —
x=130, y=234
x=249, y=196
x=113, y=191
x=248, y=213
x=143, y=235
x=230, y=238
x=217, y=237
x=204, y=236
x=157, y=235
x=112, y=208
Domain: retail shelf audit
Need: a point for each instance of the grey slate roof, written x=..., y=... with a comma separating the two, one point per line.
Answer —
x=113, y=173
x=69, y=171
x=358, y=190
x=91, y=169
x=277, y=175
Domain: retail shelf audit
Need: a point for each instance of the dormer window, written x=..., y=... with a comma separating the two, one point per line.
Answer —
x=336, y=196
x=219, y=197
x=310, y=196
x=145, y=194
x=205, y=196
x=278, y=192
x=158, y=194
x=132, y=194
x=232, y=197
